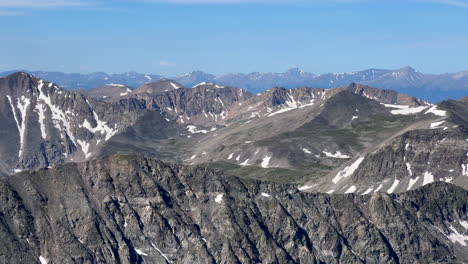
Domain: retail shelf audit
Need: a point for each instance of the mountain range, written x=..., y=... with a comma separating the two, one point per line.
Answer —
x=430, y=87
x=214, y=173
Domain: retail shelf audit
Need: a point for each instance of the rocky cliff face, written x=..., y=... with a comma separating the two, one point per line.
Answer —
x=129, y=209
x=43, y=124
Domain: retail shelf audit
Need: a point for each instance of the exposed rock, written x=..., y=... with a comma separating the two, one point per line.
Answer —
x=130, y=209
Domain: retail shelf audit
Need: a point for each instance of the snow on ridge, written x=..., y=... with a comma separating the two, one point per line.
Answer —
x=409, y=110
x=116, y=84
x=396, y=106
x=348, y=171
x=435, y=111
x=306, y=151
x=175, y=86
x=337, y=155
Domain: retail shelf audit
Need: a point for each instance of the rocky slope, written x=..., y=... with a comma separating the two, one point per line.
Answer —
x=108, y=92
x=129, y=209
x=43, y=124
x=158, y=87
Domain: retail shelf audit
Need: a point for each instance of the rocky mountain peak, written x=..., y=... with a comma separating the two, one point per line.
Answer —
x=158, y=87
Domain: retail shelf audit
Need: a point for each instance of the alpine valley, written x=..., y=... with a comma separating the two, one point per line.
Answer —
x=192, y=170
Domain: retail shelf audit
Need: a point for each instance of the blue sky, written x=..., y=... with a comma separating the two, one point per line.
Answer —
x=172, y=37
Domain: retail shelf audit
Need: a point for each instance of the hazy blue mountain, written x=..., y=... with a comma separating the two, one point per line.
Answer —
x=430, y=87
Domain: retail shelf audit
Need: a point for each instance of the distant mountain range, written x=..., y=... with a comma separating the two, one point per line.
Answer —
x=430, y=87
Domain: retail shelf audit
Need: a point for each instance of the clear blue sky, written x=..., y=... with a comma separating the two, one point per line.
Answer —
x=172, y=37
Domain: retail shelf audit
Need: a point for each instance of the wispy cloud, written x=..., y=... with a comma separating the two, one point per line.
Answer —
x=41, y=3
x=17, y=7
x=248, y=1
x=166, y=63
x=458, y=3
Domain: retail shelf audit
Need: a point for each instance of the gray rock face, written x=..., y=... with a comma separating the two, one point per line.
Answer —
x=43, y=124
x=129, y=209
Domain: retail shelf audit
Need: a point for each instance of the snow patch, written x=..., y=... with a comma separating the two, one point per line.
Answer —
x=265, y=161
x=305, y=187
x=245, y=163
x=230, y=156
x=351, y=189
x=141, y=253
x=41, y=113
x=408, y=168
x=367, y=191
x=337, y=155
x=219, y=198
x=162, y=254
x=193, y=129
x=84, y=147
x=435, y=111
x=428, y=178
x=43, y=260
x=464, y=170
x=265, y=195
x=175, y=86
x=436, y=124
x=412, y=182
x=100, y=127
x=378, y=188
x=408, y=111
x=306, y=151
x=348, y=171
x=23, y=104
x=394, y=185
x=456, y=237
